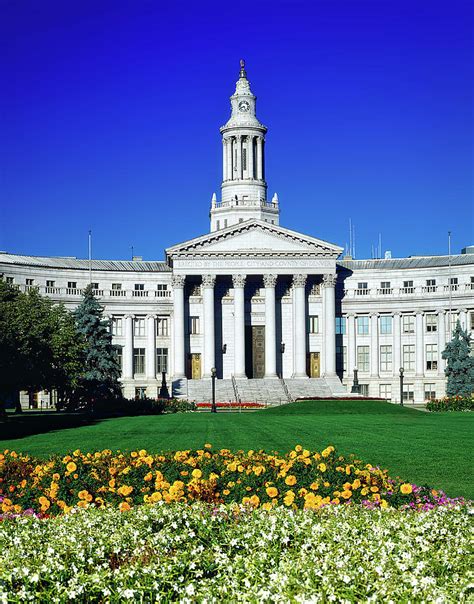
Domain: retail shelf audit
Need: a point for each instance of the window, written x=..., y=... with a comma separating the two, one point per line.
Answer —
x=408, y=323
x=30, y=282
x=244, y=158
x=340, y=326
x=453, y=281
x=385, y=325
x=408, y=393
x=407, y=284
x=50, y=283
x=225, y=223
x=162, y=290
x=409, y=357
x=162, y=326
x=139, y=287
x=431, y=357
x=119, y=350
x=116, y=286
x=385, y=358
x=117, y=326
x=363, y=358
x=138, y=360
x=72, y=284
x=139, y=326
x=161, y=360
x=218, y=225
x=9, y=280
x=95, y=285
x=194, y=325
x=362, y=285
x=140, y=392
x=364, y=389
x=341, y=358
x=431, y=322
x=385, y=391
x=362, y=325
x=385, y=285
x=313, y=324
x=431, y=285
x=472, y=321
x=430, y=392
x=451, y=324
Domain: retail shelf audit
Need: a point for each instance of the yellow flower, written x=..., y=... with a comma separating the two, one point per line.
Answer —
x=346, y=494
x=124, y=490
x=322, y=467
x=196, y=473
x=45, y=503
x=298, y=448
x=267, y=506
x=290, y=480
x=255, y=500
x=272, y=491
x=314, y=486
x=208, y=446
x=77, y=452
x=71, y=466
x=124, y=506
x=142, y=452
x=406, y=488
x=225, y=492
x=376, y=489
x=148, y=477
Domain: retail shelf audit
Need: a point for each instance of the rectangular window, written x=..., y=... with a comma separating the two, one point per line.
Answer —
x=430, y=392
x=385, y=285
x=50, y=283
x=385, y=325
x=95, y=285
x=341, y=326
x=9, y=280
x=362, y=285
x=408, y=322
x=139, y=326
x=162, y=290
x=341, y=358
x=385, y=391
x=409, y=357
x=408, y=284
x=117, y=326
x=244, y=158
x=119, y=350
x=431, y=357
x=116, y=286
x=431, y=322
x=364, y=389
x=218, y=224
x=161, y=360
x=139, y=361
x=30, y=282
x=139, y=287
x=362, y=325
x=193, y=325
x=472, y=321
x=431, y=285
x=313, y=324
x=453, y=281
x=363, y=358
x=140, y=392
x=451, y=324
x=162, y=326
x=72, y=284
x=385, y=358
x=408, y=393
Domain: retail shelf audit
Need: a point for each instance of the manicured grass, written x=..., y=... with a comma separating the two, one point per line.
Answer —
x=424, y=448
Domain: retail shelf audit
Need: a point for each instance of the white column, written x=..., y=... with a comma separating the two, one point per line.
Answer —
x=329, y=313
x=397, y=350
x=299, y=314
x=259, y=158
x=351, y=346
x=374, y=345
x=239, y=325
x=128, y=349
x=239, y=157
x=178, y=324
x=419, y=345
x=224, y=159
x=250, y=171
x=208, y=282
x=150, y=363
x=441, y=341
x=463, y=318
x=230, y=169
x=270, y=326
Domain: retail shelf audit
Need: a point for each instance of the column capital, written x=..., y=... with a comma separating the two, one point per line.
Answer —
x=239, y=280
x=463, y=310
x=440, y=312
x=299, y=280
x=350, y=315
x=270, y=280
x=129, y=316
x=329, y=280
x=397, y=313
x=208, y=281
x=150, y=316
x=177, y=281
x=419, y=312
x=373, y=314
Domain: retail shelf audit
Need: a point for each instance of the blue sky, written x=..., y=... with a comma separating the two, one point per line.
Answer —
x=111, y=111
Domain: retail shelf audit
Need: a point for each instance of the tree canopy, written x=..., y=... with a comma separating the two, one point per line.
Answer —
x=459, y=363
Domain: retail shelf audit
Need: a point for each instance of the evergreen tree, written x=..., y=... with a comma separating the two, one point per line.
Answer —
x=101, y=369
x=460, y=364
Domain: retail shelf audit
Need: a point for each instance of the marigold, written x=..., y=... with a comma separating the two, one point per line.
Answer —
x=322, y=467
x=406, y=488
x=196, y=473
x=272, y=491
x=290, y=480
x=124, y=506
x=346, y=494
x=71, y=467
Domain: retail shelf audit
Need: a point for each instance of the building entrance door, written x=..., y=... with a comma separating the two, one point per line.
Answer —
x=314, y=365
x=258, y=351
x=195, y=366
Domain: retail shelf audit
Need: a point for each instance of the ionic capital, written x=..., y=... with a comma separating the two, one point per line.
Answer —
x=148, y=317
x=177, y=281
x=270, y=280
x=299, y=280
x=208, y=281
x=239, y=280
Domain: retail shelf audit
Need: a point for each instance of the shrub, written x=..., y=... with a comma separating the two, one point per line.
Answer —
x=451, y=403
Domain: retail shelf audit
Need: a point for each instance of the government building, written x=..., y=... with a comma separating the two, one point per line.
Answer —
x=277, y=314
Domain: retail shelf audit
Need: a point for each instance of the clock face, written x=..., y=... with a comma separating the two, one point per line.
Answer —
x=244, y=106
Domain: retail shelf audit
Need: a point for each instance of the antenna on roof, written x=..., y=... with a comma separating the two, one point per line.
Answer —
x=350, y=237
x=380, y=245
x=131, y=247
x=90, y=256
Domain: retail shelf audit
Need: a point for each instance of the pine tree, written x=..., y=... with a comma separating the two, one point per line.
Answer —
x=101, y=370
x=460, y=364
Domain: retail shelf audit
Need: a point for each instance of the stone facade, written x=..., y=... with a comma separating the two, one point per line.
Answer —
x=254, y=299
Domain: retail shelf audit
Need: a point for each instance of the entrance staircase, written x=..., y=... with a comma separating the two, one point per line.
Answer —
x=265, y=391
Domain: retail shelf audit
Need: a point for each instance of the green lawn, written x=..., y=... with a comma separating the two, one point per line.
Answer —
x=434, y=449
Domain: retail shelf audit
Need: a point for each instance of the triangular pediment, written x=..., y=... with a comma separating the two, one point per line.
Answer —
x=255, y=237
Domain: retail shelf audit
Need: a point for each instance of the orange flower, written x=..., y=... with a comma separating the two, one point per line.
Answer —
x=290, y=480
x=124, y=506
x=272, y=491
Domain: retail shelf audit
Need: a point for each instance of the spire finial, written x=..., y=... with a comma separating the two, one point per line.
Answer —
x=243, y=73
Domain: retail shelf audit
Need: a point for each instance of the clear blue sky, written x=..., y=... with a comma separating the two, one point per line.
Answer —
x=110, y=114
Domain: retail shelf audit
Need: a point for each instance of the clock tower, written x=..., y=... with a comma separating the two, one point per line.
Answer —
x=244, y=190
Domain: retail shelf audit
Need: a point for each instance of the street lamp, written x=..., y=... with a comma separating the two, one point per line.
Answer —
x=213, y=380
x=355, y=384
x=401, y=386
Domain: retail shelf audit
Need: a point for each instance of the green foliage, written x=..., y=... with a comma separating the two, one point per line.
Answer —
x=451, y=403
x=101, y=370
x=460, y=364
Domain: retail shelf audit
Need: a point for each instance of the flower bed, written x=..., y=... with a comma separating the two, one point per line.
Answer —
x=451, y=403
x=299, y=479
x=232, y=554
x=231, y=405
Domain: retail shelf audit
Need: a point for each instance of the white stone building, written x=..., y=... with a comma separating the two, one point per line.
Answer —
x=276, y=312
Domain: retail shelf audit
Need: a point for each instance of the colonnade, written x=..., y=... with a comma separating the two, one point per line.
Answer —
x=232, y=157
x=299, y=322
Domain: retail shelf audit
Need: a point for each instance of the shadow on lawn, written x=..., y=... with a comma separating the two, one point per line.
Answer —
x=41, y=422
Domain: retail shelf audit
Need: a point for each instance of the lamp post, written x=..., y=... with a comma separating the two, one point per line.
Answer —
x=355, y=384
x=401, y=386
x=213, y=380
